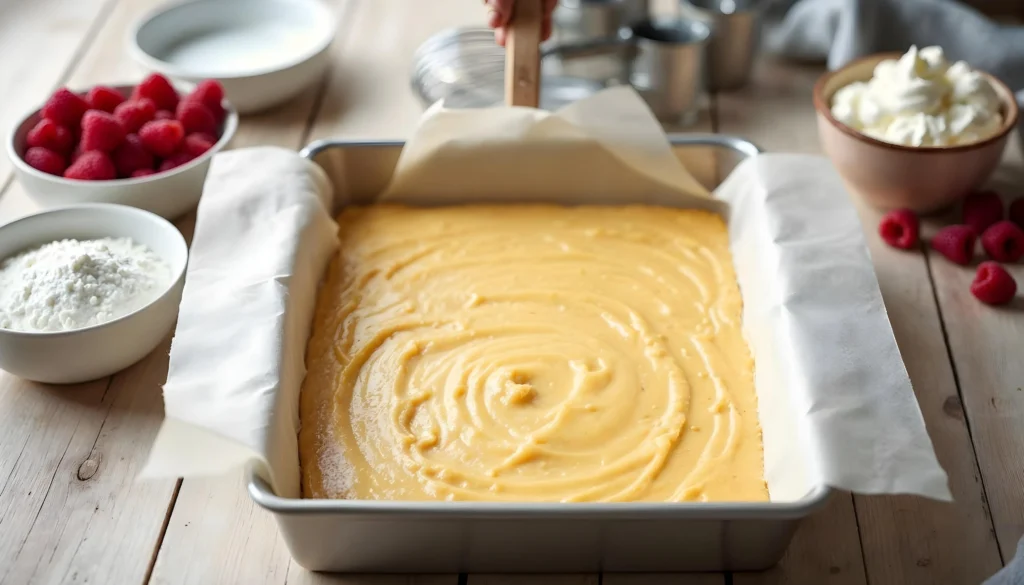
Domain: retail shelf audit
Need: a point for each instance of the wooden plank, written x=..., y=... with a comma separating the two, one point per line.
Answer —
x=215, y=533
x=912, y=540
x=53, y=33
x=71, y=453
x=904, y=540
x=985, y=344
x=533, y=579
x=825, y=551
x=369, y=93
x=298, y=576
x=775, y=112
x=79, y=448
x=663, y=579
x=71, y=485
x=369, y=97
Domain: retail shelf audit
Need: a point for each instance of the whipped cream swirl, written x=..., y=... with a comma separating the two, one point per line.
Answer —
x=921, y=100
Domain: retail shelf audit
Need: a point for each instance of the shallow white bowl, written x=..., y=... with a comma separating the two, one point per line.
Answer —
x=264, y=52
x=93, y=352
x=170, y=194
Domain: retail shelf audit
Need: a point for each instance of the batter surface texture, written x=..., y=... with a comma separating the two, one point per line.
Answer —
x=530, y=353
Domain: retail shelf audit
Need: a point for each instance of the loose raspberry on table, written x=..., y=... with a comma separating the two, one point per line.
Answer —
x=210, y=93
x=45, y=160
x=164, y=115
x=175, y=160
x=993, y=284
x=101, y=131
x=162, y=137
x=65, y=107
x=1003, y=241
x=142, y=173
x=197, y=144
x=196, y=117
x=956, y=242
x=132, y=156
x=51, y=135
x=157, y=88
x=900, y=229
x=982, y=209
x=1016, y=214
x=104, y=98
x=133, y=113
x=92, y=166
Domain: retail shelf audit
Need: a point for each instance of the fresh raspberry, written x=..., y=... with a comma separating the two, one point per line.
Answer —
x=993, y=284
x=164, y=115
x=162, y=137
x=157, y=88
x=1016, y=214
x=77, y=152
x=196, y=117
x=1004, y=241
x=142, y=173
x=104, y=98
x=65, y=107
x=131, y=156
x=899, y=229
x=133, y=113
x=49, y=134
x=46, y=160
x=982, y=210
x=101, y=131
x=210, y=93
x=175, y=160
x=198, y=143
x=956, y=242
x=92, y=166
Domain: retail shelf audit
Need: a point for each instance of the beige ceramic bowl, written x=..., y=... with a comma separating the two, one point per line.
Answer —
x=890, y=176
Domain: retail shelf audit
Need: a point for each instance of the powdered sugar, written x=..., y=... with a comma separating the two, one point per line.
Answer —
x=71, y=284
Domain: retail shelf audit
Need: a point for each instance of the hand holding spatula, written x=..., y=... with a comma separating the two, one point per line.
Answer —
x=521, y=25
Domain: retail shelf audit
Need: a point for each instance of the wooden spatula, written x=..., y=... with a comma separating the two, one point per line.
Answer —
x=522, y=54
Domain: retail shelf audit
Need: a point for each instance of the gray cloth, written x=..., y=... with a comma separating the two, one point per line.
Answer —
x=839, y=31
x=1013, y=572
x=842, y=30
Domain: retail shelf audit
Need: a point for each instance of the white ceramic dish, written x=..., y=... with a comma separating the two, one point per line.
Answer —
x=169, y=194
x=264, y=52
x=93, y=352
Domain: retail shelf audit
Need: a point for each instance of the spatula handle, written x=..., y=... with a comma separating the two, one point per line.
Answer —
x=522, y=54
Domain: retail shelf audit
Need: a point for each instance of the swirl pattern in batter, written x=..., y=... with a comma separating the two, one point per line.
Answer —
x=530, y=353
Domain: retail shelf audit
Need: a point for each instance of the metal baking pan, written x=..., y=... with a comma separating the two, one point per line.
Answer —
x=446, y=537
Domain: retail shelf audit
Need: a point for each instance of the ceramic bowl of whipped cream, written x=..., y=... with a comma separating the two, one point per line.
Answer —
x=913, y=130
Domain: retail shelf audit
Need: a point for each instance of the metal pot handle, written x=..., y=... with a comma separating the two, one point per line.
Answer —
x=594, y=48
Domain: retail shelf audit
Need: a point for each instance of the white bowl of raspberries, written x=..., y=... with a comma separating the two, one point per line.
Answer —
x=147, y=145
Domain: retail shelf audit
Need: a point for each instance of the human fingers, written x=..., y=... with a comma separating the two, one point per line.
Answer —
x=501, y=11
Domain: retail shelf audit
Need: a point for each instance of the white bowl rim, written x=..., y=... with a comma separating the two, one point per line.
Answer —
x=320, y=12
x=107, y=208
x=230, y=127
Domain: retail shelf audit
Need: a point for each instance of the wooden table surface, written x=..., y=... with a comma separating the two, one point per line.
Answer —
x=71, y=510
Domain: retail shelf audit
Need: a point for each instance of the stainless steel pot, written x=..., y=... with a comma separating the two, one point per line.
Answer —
x=737, y=33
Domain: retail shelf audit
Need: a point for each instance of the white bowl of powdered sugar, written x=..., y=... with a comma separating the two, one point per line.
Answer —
x=86, y=291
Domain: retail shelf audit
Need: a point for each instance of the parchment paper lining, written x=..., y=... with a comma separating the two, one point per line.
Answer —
x=836, y=404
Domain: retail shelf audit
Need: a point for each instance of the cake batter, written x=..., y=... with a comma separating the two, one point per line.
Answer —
x=530, y=353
